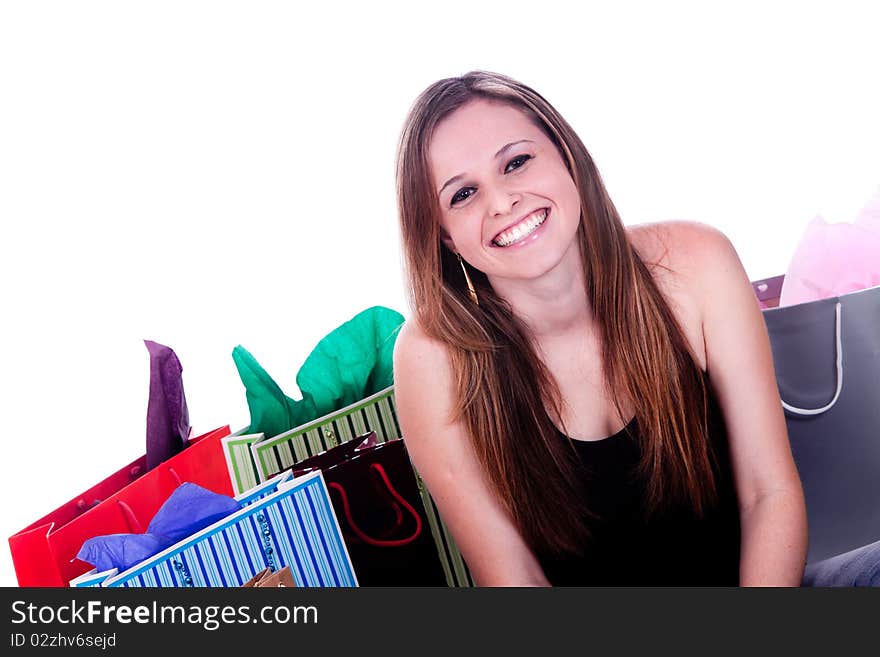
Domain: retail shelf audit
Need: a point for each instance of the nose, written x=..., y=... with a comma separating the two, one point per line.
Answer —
x=502, y=201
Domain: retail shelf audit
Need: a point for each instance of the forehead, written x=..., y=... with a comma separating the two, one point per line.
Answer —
x=472, y=135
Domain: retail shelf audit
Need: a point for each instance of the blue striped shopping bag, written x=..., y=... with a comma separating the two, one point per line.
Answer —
x=284, y=522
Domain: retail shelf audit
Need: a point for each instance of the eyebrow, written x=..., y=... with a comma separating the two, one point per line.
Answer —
x=501, y=151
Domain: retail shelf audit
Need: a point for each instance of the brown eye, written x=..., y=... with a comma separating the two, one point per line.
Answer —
x=462, y=194
x=517, y=162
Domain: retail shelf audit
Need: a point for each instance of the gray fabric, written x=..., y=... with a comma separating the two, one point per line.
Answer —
x=837, y=452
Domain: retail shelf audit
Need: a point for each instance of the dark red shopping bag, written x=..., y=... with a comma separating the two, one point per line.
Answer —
x=379, y=508
x=44, y=553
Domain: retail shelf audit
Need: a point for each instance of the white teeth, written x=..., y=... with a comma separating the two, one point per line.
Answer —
x=523, y=229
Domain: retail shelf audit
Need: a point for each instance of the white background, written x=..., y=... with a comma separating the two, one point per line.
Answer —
x=208, y=174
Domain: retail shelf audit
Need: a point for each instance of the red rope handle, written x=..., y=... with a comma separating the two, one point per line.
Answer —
x=397, y=496
x=130, y=518
x=398, y=515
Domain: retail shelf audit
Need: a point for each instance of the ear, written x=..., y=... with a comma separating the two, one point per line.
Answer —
x=447, y=240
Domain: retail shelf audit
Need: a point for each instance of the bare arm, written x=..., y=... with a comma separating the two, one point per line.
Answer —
x=740, y=366
x=442, y=453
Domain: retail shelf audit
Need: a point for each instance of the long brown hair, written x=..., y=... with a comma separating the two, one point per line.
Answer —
x=503, y=387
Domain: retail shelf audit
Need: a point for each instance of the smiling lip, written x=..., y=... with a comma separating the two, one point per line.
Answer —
x=519, y=221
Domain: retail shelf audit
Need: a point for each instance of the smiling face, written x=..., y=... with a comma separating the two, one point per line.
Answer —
x=508, y=204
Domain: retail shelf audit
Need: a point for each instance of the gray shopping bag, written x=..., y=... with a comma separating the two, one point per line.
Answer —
x=827, y=359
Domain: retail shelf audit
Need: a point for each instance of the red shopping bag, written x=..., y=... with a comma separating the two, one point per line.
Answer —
x=44, y=553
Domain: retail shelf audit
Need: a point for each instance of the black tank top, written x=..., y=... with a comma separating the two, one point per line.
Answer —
x=672, y=547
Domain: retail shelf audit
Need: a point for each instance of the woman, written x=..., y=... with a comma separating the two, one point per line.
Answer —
x=588, y=403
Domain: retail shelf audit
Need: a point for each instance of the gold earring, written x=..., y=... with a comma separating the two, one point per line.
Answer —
x=471, y=291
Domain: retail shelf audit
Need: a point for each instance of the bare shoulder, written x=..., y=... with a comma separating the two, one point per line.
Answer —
x=416, y=355
x=684, y=247
x=412, y=341
x=686, y=259
x=422, y=375
x=703, y=256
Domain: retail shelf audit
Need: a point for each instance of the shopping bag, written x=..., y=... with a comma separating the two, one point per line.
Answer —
x=376, y=413
x=346, y=386
x=254, y=457
x=44, y=552
x=243, y=471
x=351, y=364
x=381, y=512
x=826, y=355
x=284, y=523
x=267, y=579
x=768, y=291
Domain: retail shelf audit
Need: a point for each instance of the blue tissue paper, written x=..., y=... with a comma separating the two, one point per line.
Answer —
x=187, y=510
